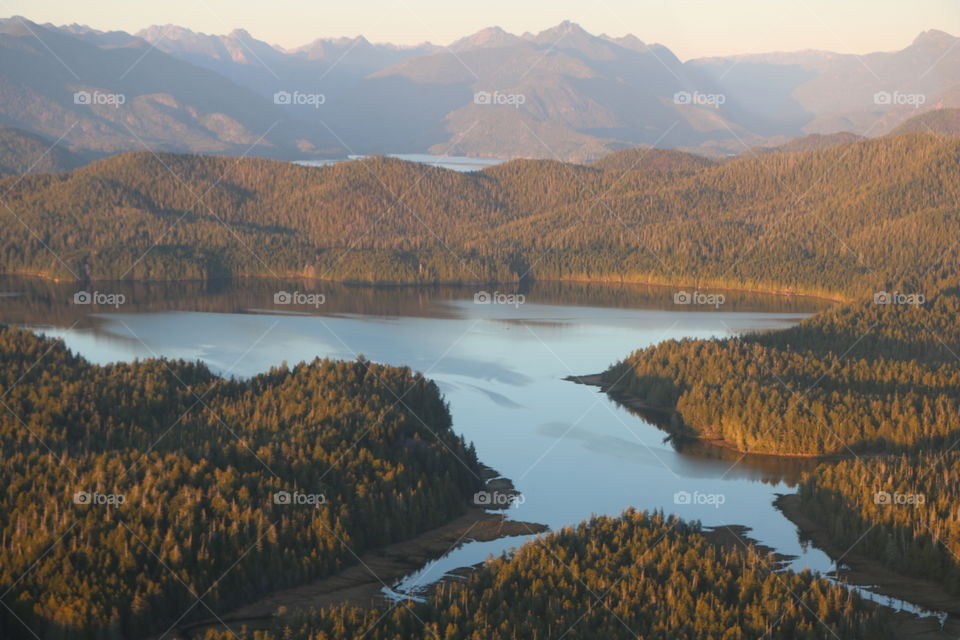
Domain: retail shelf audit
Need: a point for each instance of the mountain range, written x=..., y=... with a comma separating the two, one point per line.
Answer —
x=561, y=93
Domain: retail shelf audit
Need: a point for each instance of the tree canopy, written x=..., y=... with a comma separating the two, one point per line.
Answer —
x=860, y=377
x=838, y=221
x=640, y=575
x=129, y=490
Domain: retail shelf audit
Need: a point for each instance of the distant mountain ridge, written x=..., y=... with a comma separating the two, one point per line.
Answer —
x=807, y=143
x=825, y=92
x=944, y=122
x=22, y=152
x=104, y=93
x=561, y=93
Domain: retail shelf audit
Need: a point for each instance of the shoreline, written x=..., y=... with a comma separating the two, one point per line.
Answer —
x=735, y=537
x=832, y=297
x=361, y=583
x=866, y=572
x=860, y=571
x=638, y=404
x=906, y=625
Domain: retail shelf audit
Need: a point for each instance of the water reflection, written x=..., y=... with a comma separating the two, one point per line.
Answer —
x=456, y=163
x=29, y=300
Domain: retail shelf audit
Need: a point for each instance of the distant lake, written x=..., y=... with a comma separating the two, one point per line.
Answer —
x=569, y=449
x=456, y=163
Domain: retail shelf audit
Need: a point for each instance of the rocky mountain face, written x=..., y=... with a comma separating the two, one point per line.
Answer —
x=561, y=93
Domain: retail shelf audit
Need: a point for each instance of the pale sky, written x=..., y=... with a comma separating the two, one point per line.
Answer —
x=691, y=28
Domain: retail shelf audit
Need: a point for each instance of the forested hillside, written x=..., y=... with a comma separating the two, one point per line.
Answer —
x=943, y=122
x=24, y=152
x=128, y=490
x=808, y=143
x=860, y=377
x=652, y=159
x=899, y=510
x=841, y=221
x=637, y=576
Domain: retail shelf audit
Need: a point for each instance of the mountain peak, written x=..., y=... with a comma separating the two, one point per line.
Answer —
x=241, y=34
x=17, y=26
x=485, y=39
x=168, y=31
x=565, y=28
x=568, y=25
x=570, y=36
x=934, y=37
x=629, y=41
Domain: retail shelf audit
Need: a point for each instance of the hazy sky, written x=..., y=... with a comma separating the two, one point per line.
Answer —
x=690, y=28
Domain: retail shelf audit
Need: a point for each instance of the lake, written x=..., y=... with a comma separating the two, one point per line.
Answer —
x=456, y=163
x=500, y=357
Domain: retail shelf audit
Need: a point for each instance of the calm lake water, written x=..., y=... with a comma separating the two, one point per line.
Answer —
x=570, y=450
x=456, y=163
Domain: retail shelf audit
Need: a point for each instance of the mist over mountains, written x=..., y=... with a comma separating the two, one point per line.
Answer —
x=562, y=93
